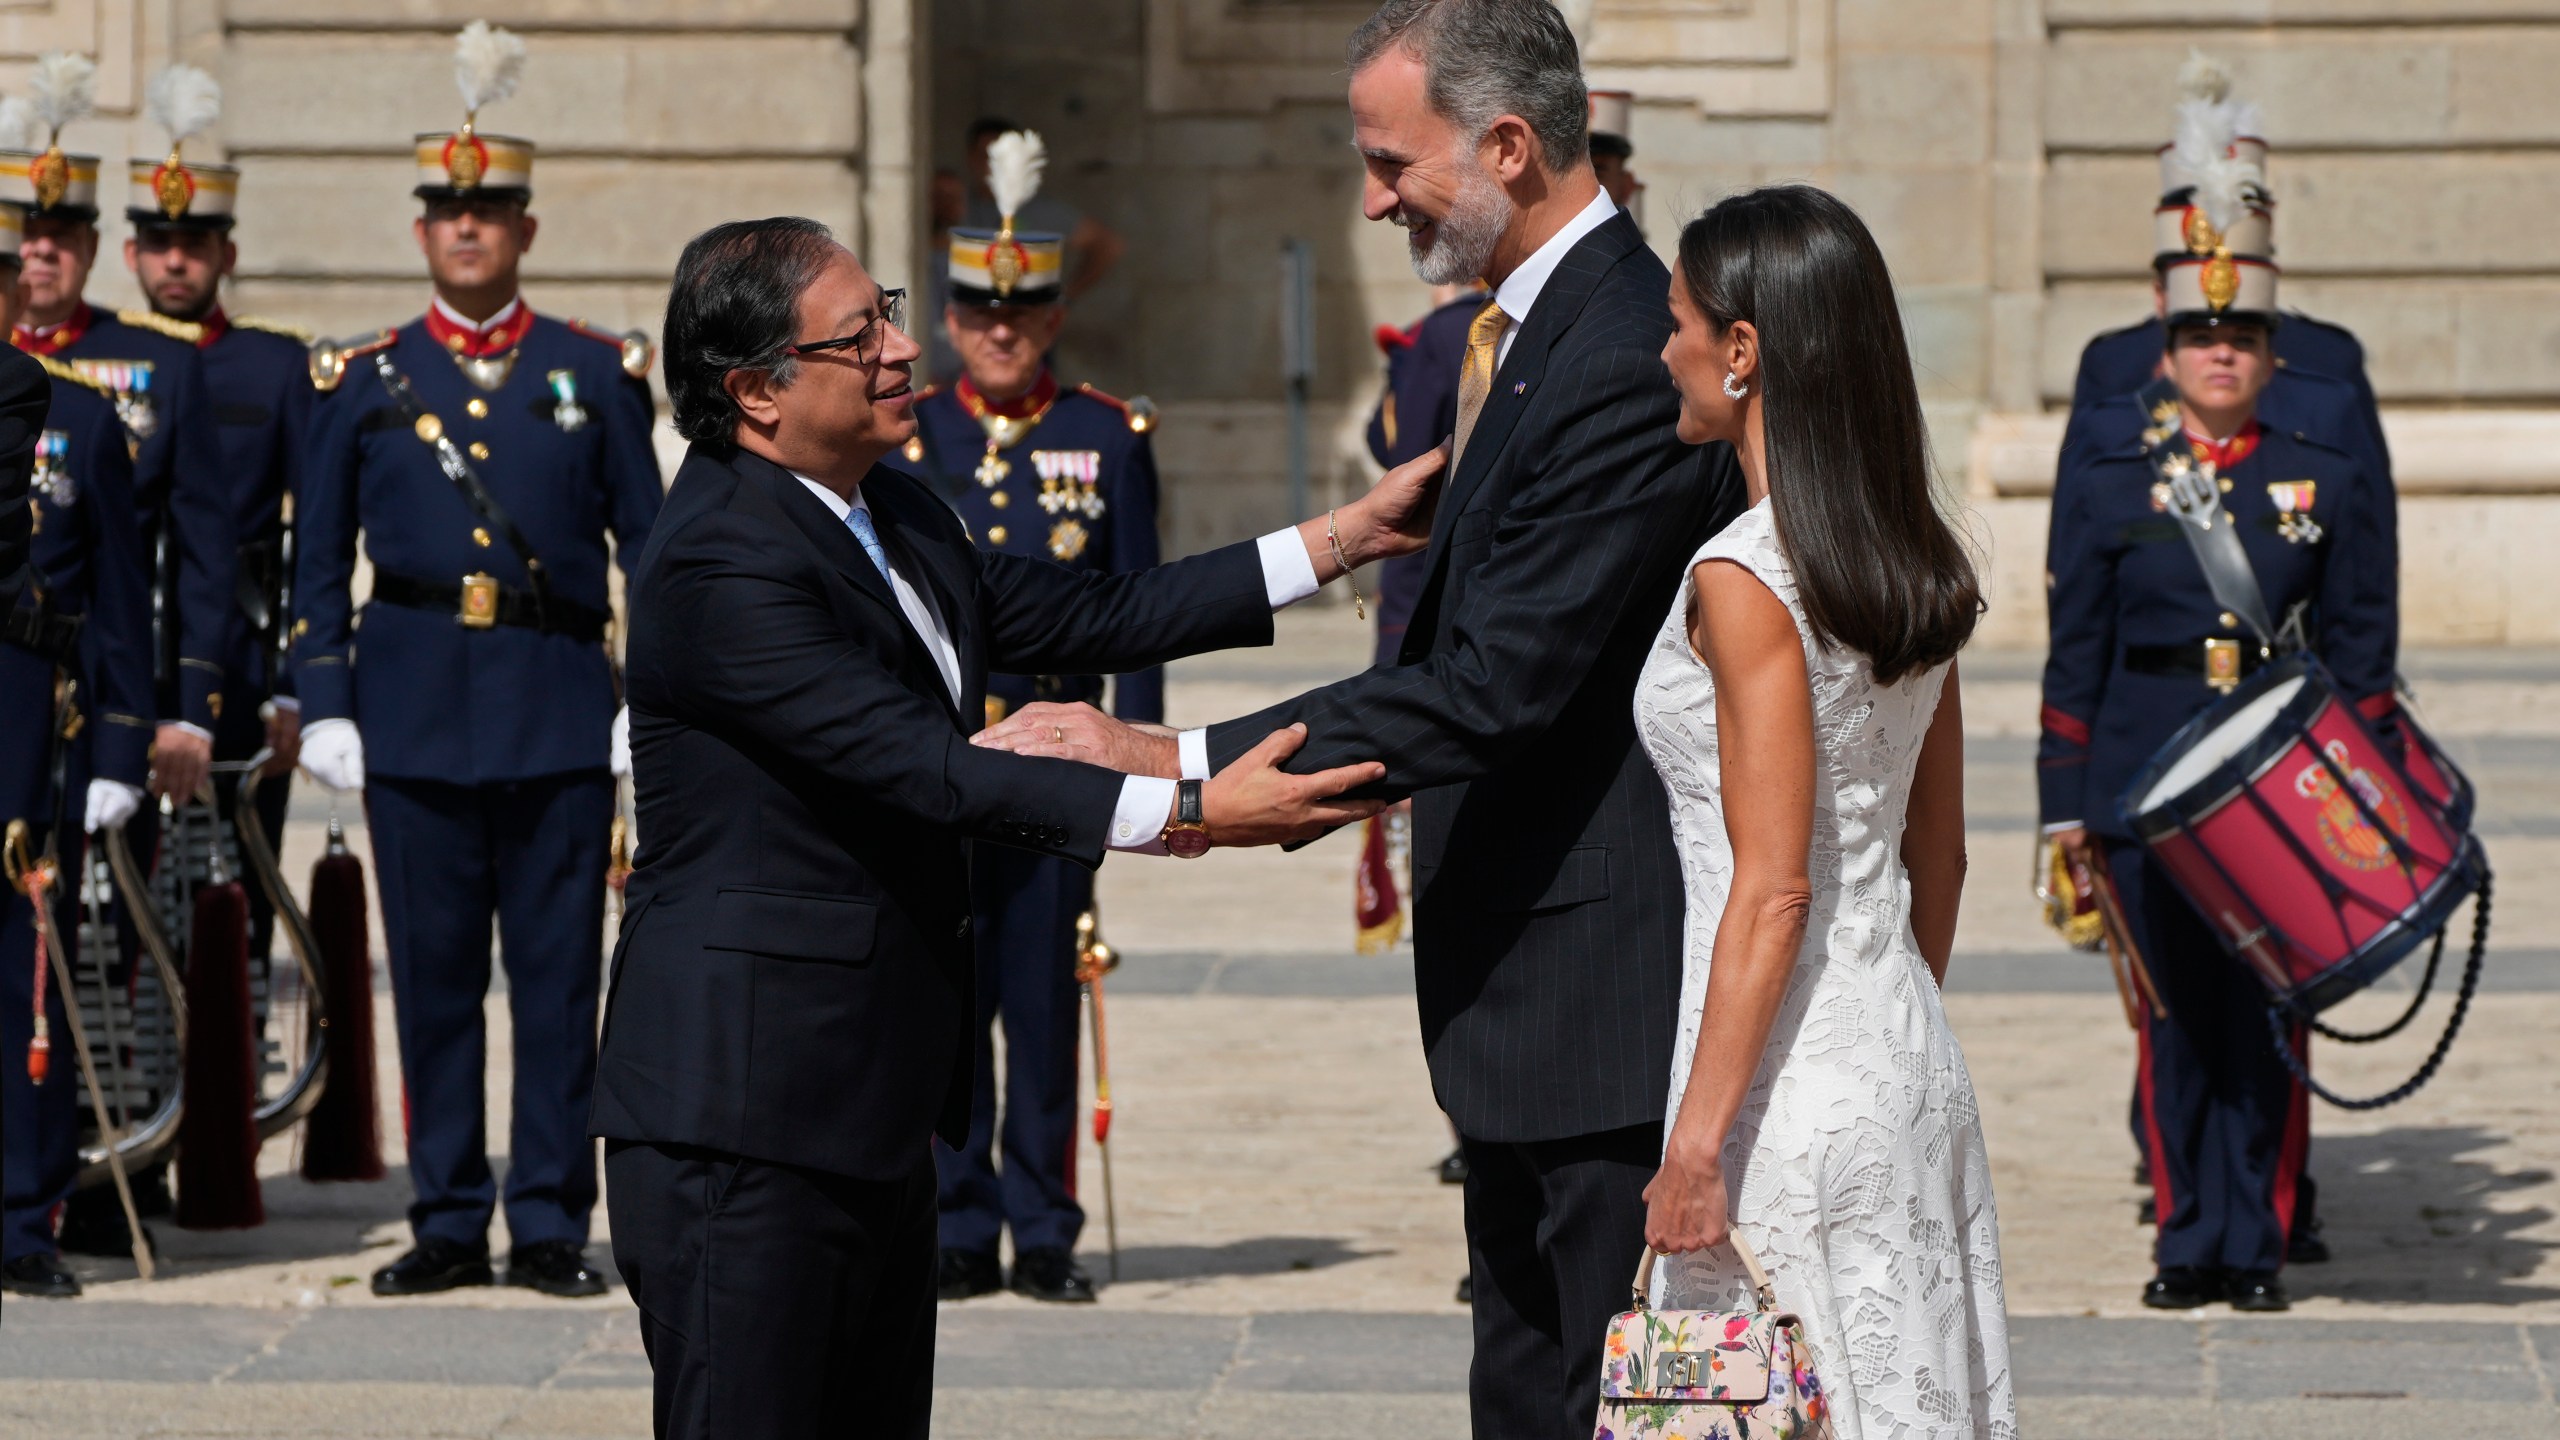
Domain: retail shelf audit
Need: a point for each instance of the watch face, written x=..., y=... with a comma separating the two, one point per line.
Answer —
x=1187, y=844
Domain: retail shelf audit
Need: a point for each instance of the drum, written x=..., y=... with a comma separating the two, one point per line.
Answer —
x=2319, y=856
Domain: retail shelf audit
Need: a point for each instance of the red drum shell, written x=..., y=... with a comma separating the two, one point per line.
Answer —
x=2275, y=842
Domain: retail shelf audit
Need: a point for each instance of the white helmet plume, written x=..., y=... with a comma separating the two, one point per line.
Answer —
x=487, y=64
x=18, y=125
x=2203, y=78
x=65, y=87
x=184, y=101
x=2209, y=121
x=1014, y=163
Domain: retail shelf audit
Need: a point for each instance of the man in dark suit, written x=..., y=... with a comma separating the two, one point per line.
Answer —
x=791, y=1005
x=1550, y=905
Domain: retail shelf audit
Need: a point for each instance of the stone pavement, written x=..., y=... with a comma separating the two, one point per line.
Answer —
x=1286, y=1256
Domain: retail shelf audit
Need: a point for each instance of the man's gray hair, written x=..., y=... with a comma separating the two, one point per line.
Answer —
x=1484, y=59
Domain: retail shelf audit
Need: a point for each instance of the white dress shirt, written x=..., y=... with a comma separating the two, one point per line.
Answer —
x=1146, y=801
x=1517, y=294
x=505, y=313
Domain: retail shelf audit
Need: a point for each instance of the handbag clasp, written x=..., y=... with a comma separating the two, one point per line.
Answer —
x=1679, y=1369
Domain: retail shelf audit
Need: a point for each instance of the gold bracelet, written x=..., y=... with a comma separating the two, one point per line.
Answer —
x=1333, y=537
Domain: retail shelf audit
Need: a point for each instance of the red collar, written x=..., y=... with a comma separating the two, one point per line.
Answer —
x=61, y=337
x=216, y=324
x=1039, y=397
x=2223, y=454
x=476, y=342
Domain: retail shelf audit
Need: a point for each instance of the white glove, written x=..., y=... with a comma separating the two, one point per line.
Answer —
x=334, y=754
x=111, y=803
x=620, y=758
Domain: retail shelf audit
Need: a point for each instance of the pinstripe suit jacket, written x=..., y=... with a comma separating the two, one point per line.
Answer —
x=1548, y=903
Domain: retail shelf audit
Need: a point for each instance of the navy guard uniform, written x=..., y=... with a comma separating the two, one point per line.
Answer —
x=258, y=382
x=485, y=465
x=2138, y=648
x=1418, y=410
x=1066, y=475
x=79, y=632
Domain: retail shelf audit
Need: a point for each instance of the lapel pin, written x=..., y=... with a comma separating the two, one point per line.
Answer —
x=1520, y=388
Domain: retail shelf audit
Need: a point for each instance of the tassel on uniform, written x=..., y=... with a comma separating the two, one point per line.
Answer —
x=218, y=1136
x=342, y=1139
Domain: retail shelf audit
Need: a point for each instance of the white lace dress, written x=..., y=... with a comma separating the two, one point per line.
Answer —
x=1857, y=1160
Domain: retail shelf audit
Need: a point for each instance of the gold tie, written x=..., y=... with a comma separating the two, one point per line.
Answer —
x=1475, y=380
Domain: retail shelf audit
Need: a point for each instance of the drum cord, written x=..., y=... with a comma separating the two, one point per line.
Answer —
x=2276, y=1017
x=2426, y=984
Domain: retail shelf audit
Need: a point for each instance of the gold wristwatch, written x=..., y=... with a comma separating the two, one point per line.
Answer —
x=1187, y=833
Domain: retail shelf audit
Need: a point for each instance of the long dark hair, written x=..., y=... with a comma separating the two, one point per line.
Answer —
x=1879, y=569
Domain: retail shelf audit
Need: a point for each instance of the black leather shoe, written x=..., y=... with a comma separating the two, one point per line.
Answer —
x=1466, y=1289
x=968, y=1274
x=434, y=1266
x=2258, y=1292
x=40, y=1275
x=2307, y=1247
x=89, y=1228
x=554, y=1267
x=2181, y=1287
x=1052, y=1275
x=1453, y=1167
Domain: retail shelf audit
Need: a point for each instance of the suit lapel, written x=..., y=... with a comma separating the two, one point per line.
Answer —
x=1558, y=305
x=934, y=567
x=836, y=544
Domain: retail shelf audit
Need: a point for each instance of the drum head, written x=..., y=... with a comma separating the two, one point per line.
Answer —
x=2219, y=745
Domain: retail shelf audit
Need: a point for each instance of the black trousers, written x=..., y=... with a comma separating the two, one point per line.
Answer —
x=776, y=1302
x=1554, y=1231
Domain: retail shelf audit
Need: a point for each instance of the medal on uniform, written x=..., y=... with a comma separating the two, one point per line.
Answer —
x=2293, y=500
x=992, y=467
x=51, y=477
x=1068, y=538
x=1069, y=481
x=566, y=412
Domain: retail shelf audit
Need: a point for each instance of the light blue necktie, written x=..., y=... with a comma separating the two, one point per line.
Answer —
x=858, y=519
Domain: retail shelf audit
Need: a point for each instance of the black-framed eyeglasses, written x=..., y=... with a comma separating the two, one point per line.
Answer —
x=866, y=342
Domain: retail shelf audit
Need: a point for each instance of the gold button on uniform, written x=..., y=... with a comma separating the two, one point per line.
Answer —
x=479, y=537
x=2229, y=620
x=995, y=534
x=999, y=499
x=479, y=450
x=477, y=408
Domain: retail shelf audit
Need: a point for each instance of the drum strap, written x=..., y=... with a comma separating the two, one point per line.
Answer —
x=2211, y=533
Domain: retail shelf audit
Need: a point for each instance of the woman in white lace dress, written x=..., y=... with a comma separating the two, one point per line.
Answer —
x=1801, y=707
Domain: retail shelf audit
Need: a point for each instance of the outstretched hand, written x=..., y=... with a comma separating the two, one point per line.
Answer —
x=1080, y=732
x=1255, y=802
x=1399, y=507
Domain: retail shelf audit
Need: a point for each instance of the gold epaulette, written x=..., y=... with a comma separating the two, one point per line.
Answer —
x=329, y=357
x=60, y=371
x=637, y=353
x=1140, y=410
x=272, y=327
x=188, y=331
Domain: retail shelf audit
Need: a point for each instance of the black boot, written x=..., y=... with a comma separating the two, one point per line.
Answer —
x=2182, y=1287
x=40, y=1275
x=434, y=1266
x=554, y=1267
x=1052, y=1275
x=2306, y=1246
x=968, y=1274
x=2258, y=1292
x=1453, y=1167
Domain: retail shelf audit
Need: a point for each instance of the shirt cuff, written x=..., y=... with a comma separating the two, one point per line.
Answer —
x=197, y=731
x=2058, y=826
x=286, y=703
x=1288, y=576
x=1193, y=747
x=1137, y=822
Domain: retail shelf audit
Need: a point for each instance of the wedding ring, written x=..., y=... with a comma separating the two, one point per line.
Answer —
x=1057, y=734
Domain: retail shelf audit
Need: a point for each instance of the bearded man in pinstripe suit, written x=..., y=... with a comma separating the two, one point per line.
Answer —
x=1549, y=899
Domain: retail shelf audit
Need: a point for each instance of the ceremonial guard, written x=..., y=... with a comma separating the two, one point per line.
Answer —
x=2320, y=385
x=258, y=375
x=157, y=376
x=75, y=737
x=486, y=454
x=2140, y=646
x=1067, y=475
x=1613, y=114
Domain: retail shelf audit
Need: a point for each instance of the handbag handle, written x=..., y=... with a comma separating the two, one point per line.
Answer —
x=1761, y=1289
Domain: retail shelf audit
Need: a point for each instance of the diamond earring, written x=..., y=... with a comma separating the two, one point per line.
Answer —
x=1734, y=389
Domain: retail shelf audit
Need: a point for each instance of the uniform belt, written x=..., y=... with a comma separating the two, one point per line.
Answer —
x=43, y=630
x=514, y=606
x=2193, y=660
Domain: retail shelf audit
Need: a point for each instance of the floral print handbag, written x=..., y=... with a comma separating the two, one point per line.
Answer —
x=1708, y=1374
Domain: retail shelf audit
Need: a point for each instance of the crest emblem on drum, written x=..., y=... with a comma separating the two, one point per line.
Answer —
x=2344, y=832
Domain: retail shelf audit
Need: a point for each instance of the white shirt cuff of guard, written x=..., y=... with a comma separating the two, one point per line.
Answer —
x=1137, y=822
x=197, y=731
x=1288, y=576
x=286, y=704
x=2058, y=826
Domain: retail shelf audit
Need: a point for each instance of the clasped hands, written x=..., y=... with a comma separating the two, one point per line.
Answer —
x=1253, y=801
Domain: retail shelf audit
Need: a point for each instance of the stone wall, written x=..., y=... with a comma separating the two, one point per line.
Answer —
x=2000, y=149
